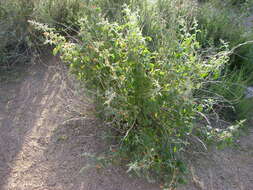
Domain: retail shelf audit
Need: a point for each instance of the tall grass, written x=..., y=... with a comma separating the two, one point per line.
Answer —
x=225, y=21
x=14, y=30
x=18, y=38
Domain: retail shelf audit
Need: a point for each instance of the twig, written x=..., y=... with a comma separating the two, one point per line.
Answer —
x=128, y=131
x=239, y=45
x=203, y=115
x=201, y=142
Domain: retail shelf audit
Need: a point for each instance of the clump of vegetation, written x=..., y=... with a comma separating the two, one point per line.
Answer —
x=14, y=31
x=225, y=20
x=18, y=39
x=149, y=93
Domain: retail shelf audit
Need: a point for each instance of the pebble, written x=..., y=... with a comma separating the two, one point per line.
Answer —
x=249, y=92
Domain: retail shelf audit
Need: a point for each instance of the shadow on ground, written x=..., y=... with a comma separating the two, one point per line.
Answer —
x=21, y=102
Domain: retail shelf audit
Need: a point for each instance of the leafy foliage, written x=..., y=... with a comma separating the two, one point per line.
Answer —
x=146, y=93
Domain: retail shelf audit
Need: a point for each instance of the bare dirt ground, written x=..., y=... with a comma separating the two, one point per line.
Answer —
x=42, y=146
x=227, y=169
x=39, y=149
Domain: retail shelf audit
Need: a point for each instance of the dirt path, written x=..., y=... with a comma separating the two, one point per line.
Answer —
x=227, y=169
x=40, y=150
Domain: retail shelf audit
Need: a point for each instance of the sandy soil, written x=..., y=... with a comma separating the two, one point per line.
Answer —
x=227, y=169
x=42, y=146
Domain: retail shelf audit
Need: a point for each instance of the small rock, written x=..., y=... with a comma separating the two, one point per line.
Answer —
x=249, y=92
x=51, y=183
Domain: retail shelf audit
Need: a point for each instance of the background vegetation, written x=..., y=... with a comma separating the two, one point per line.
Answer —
x=166, y=75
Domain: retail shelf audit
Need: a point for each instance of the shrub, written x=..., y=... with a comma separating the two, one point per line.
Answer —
x=223, y=21
x=147, y=93
x=62, y=14
x=220, y=23
x=150, y=66
x=17, y=38
x=14, y=31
